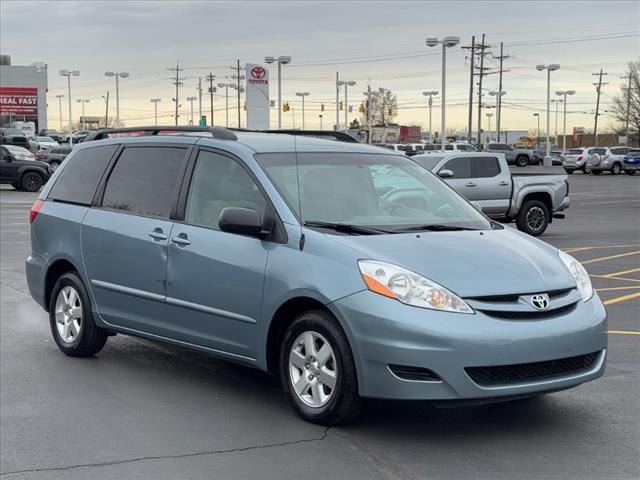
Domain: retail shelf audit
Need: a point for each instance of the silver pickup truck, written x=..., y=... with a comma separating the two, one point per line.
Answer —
x=514, y=156
x=531, y=199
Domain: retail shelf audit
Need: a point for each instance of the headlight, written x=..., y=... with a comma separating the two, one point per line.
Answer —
x=410, y=288
x=583, y=282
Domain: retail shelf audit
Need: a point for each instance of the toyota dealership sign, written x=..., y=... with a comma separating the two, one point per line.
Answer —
x=257, y=99
x=18, y=101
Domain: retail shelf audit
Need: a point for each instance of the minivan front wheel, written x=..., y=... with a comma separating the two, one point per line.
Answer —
x=72, y=324
x=317, y=369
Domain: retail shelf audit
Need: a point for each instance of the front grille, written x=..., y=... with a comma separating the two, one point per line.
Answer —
x=406, y=372
x=532, y=315
x=514, y=297
x=502, y=374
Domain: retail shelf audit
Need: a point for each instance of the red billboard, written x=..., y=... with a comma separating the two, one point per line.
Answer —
x=18, y=101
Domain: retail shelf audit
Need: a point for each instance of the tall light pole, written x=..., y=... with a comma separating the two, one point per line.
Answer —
x=117, y=75
x=226, y=99
x=302, y=95
x=537, y=115
x=281, y=60
x=155, y=108
x=60, y=97
x=69, y=74
x=191, y=100
x=489, y=115
x=446, y=42
x=240, y=90
x=320, y=117
x=558, y=101
x=83, y=101
x=548, y=161
x=498, y=94
x=347, y=84
x=564, y=93
x=430, y=94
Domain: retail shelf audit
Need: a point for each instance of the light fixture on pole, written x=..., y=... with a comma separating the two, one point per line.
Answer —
x=498, y=94
x=537, y=115
x=430, y=94
x=83, y=101
x=155, y=108
x=446, y=42
x=347, y=84
x=69, y=74
x=563, y=94
x=489, y=115
x=282, y=60
x=117, y=75
x=302, y=95
x=548, y=161
x=60, y=97
x=191, y=100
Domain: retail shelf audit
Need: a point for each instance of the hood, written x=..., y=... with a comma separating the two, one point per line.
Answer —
x=471, y=263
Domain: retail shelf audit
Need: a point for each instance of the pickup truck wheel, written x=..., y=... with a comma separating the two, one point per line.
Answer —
x=568, y=170
x=317, y=369
x=522, y=161
x=31, y=182
x=616, y=169
x=533, y=218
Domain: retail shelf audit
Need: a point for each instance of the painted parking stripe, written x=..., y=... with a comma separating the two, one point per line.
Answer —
x=579, y=249
x=610, y=257
x=615, y=278
x=623, y=332
x=608, y=289
x=621, y=299
x=624, y=272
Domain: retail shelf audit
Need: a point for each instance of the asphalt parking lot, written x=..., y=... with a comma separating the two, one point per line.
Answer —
x=145, y=410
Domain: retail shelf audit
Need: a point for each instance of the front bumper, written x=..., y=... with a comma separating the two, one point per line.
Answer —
x=385, y=332
x=566, y=203
x=631, y=167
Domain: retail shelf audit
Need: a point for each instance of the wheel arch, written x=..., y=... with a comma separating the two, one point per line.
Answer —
x=544, y=197
x=55, y=271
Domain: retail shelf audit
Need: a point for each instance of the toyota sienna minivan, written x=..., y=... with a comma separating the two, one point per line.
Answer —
x=345, y=270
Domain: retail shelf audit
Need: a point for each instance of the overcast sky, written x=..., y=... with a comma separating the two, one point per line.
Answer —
x=380, y=41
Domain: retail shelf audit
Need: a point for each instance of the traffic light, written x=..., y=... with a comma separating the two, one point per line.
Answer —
x=361, y=109
x=341, y=106
x=322, y=107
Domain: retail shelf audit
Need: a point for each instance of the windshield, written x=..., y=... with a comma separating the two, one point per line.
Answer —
x=13, y=131
x=46, y=139
x=428, y=161
x=386, y=191
x=18, y=150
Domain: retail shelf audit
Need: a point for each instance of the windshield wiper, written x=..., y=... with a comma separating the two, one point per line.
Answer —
x=436, y=227
x=346, y=228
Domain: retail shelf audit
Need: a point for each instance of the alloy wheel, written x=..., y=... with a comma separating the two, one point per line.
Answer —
x=535, y=218
x=68, y=313
x=312, y=369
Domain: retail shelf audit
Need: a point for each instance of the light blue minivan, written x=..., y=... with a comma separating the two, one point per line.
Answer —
x=345, y=270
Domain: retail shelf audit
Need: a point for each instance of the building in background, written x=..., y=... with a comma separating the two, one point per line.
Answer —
x=23, y=93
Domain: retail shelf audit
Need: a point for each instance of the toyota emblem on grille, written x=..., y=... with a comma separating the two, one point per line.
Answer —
x=540, y=302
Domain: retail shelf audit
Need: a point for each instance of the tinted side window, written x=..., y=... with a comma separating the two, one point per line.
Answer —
x=144, y=180
x=79, y=180
x=486, y=167
x=461, y=167
x=219, y=182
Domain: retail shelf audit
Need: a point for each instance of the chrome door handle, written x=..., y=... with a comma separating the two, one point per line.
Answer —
x=158, y=235
x=470, y=184
x=181, y=240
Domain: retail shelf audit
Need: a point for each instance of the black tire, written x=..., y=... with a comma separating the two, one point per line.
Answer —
x=568, y=170
x=31, y=182
x=533, y=218
x=616, y=169
x=522, y=161
x=586, y=169
x=596, y=172
x=54, y=165
x=630, y=172
x=90, y=338
x=344, y=402
x=16, y=185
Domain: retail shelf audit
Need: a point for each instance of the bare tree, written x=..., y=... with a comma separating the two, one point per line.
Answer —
x=626, y=105
x=381, y=109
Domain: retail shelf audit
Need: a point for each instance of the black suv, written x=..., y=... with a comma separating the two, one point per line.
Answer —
x=47, y=132
x=54, y=156
x=13, y=136
x=29, y=175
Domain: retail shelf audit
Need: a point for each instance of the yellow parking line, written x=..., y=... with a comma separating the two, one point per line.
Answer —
x=615, y=288
x=624, y=272
x=602, y=259
x=607, y=277
x=624, y=332
x=578, y=249
x=621, y=299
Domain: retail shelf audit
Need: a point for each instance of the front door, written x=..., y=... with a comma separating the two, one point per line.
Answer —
x=215, y=279
x=494, y=187
x=463, y=180
x=8, y=169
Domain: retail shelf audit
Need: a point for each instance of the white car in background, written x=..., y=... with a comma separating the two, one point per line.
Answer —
x=19, y=153
x=449, y=147
x=582, y=159
x=611, y=159
x=42, y=143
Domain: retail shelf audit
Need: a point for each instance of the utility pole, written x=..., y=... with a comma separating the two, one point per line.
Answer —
x=499, y=110
x=199, y=99
x=237, y=77
x=470, y=122
x=337, y=102
x=212, y=90
x=599, y=86
x=177, y=83
x=481, y=53
x=106, y=110
x=628, y=106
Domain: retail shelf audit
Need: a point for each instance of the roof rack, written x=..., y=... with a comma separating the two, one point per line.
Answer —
x=216, y=132
x=331, y=134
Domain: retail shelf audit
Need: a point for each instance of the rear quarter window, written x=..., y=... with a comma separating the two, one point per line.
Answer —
x=79, y=180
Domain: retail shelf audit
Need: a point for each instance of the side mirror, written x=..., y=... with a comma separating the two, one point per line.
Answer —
x=243, y=221
x=445, y=173
x=477, y=206
x=9, y=158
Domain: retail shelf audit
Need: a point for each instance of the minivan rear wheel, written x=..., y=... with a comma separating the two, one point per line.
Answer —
x=317, y=370
x=72, y=325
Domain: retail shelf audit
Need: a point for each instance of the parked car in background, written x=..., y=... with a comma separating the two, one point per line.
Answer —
x=631, y=161
x=408, y=149
x=22, y=173
x=47, y=132
x=532, y=200
x=538, y=157
x=449, y=147
x=514, y=156
x=54, y=156
x=576, y=159
x=13, y=136
x=77, y=136
x=20, y=153
x=42, y=143
x=610, y=159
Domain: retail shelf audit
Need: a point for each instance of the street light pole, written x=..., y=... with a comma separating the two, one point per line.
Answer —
x=489, y=115
x=446, y=43
x=155, y=107
x=498, y=94
x=117, y=75
x=191, y=100
x=226, y=100
x=537, y=115
x=548, y=161
x=430, y=94
x=320, y=116
x=69, y=74
x=281, y=60
x=60, y=97
x=564, y=120
x=82, y=102
x=302, y=95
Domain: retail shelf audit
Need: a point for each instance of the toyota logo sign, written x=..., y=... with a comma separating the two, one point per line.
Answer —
x=540, y=302
x=258, y=72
